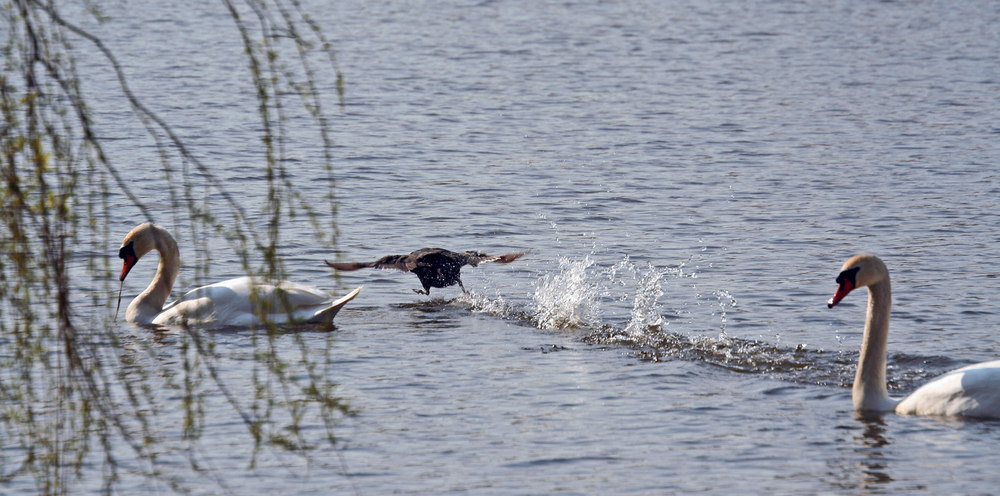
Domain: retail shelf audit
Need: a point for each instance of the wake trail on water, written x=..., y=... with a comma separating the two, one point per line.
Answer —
x=634, y=306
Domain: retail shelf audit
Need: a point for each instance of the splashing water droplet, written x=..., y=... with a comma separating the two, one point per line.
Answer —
x=645, y=314
x=566, y=299
x=726, y=301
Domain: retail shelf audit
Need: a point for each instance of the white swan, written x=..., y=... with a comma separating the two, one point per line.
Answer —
x=972, y=391
x=241, y=302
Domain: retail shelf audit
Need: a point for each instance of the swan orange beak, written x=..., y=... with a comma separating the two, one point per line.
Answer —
x=129, y=263
x=127, y=253
x=847, y=280
x=846, y=285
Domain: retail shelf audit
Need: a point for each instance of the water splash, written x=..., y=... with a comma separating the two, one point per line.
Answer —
x=568, y=298
x=648, y=284
x=580, y=293
x=726, y=301
x=495, y=305
x=573, y=296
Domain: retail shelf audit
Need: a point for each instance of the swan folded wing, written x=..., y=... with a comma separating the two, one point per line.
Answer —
x=191, y=309
x=227, y=301
x=969, y=391
x=292, y=302
x=297, y=295
x=284, y=301
x=241, y=302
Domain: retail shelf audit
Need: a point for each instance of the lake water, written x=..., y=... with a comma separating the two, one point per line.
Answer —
x=689, y=177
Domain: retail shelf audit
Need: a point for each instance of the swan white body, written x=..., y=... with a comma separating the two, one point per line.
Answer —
x=240, y=302
x=972, y=391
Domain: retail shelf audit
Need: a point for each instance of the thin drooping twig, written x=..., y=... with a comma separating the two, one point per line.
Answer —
x=141, y=109
x=98, y=389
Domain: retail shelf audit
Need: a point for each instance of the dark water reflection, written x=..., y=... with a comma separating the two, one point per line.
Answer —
x=874, y=442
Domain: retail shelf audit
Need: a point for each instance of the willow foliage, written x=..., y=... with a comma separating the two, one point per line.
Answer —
x=81, y=400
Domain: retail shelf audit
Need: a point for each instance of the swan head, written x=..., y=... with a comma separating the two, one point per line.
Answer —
x=138, y=242
x=858, y=271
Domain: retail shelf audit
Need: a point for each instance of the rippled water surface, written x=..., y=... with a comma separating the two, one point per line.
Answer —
x=689, y=178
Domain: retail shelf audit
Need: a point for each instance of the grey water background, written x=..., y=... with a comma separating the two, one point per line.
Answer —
x=689, y=177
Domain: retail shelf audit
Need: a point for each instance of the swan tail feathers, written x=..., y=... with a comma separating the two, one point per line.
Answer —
x=326, y=315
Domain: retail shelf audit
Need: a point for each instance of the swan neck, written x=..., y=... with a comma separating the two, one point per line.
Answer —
x=869, y=391
x=145, y=307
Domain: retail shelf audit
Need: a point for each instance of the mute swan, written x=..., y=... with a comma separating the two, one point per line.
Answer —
x=972, y=391
x=435, y=267
x=236, y=302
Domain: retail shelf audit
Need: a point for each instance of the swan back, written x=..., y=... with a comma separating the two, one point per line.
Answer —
x=247, y=302
x=972, y=391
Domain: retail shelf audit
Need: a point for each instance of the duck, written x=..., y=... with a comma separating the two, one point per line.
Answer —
x=971, y=391
x=239, y=302
x=435, y=267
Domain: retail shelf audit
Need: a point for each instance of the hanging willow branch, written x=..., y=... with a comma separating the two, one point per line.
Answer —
x=73, y=389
